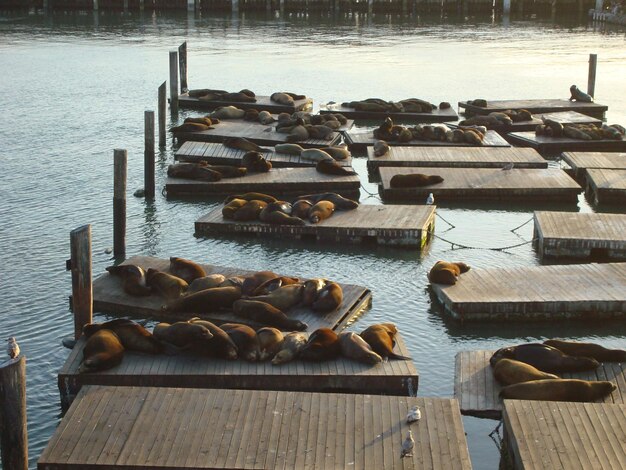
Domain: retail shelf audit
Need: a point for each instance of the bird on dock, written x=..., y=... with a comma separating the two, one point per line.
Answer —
x=13, y=348
x=413, y=415
x=430, y=200
x=508, y=166
x=407, y=445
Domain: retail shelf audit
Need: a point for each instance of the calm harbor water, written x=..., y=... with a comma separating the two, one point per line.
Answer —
x=75, y=87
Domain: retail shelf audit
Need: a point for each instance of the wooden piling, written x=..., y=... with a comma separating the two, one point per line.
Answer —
x=182, y=67
x=174, y=82
x=591, y=82
x=120, y=158
x=161, y=112
x=82, y=288
x=148, y=154
x=14, y=436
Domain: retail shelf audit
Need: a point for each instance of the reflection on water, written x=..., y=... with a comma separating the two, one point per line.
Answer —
x=75, y=86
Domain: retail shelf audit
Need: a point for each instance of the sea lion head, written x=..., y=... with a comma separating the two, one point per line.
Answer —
x=502, y=353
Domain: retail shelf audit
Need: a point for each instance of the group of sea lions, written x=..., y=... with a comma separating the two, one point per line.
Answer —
x=444, y=272
x=552, y=128
x=196, y=124
x=388, y=131
x=206, y=94
x=498, y=119
x=527, y=370
x=409, y=105
x=325, y=158
x=266, y=208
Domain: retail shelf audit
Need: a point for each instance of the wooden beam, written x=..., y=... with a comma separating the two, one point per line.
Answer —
x=82, y=288
x=149, y=154
x=14, y=436
x=120, y=158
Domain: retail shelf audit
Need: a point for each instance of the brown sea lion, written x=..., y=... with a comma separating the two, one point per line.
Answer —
x=354, y=347
x=340, y=202
x=254, y=161
x=315, y=155
x=311, y=290
x=233, y=281
x=238, y=97
x=558, y=390
x=244, y=338
x=337, y=152
x=381, y=337
x=251, y=115
x=221, y=345
x=329, y=298
x=283, y=298
x=182, y=334
x=323, y=345
x=270, y=341
x=414, y=180
x=133, y=279
x=545, y=358
x=380, y=148
x=132, y=335
x=297, y=133
x=103, y=350
x=289, y=149
x=290, y=348
x=509, y=372
x=194, y=171
x=206, y=282
x=251, y=282
x=196, y=93
x=244, y=144
x=228, y=211
x=282, y=98
x=273, y=284
x=266, y=118
x=595, y=351
x=229, y=171
x=206, y=120
x=166, y=285
x=444, y=272
x=301, y=208
x=191, y=127
x=274, y=214
x=319, y=131
x=186, y=269
x=266, y=314
x=321, y=210
x=251, y=197
x=207, y=300
x=331, y=167
x=249, y=211
x=578, y=95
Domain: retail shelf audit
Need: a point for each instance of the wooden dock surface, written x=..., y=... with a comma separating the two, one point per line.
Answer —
x=477, y=391
x=279, y=181
x=263, y=103
x=219, y=154
x=408, y=225
x=537, y=292
x=564, y=117
x=108, y=296
x=260, y=134
x=358, y=140
x=463, y=184
x=172, y=428
x=438, y=115
x=536, y=106
x=607, y=186
x=565, y=436
x=581, y=161
x=194, y=371
x=555, y=145
x=580, y=235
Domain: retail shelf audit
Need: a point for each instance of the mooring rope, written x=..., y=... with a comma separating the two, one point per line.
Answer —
x=520, y=226
x=502, y=248
x=441, y=217
x=370, y=194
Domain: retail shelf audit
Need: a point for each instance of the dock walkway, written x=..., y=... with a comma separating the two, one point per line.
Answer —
x=358, y=140
x=581, y=161
x=606, y=186
x=556, y=145
x=536, y=106
x=263, y=103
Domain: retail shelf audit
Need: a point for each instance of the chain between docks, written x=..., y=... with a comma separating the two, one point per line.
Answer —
x=502, y=248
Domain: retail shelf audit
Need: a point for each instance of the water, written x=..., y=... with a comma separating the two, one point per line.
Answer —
x=75, y=87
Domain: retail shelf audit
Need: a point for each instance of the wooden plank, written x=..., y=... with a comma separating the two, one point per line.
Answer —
x=536, y=106
x=477, y=380
x=437, y=115
x=555, y=145
x=581, y=161
x=263, y=103
x=607, y=186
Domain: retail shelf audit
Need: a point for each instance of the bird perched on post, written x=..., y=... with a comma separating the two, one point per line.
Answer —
x=13, y=348
x=407, y=445
x=413, y=415
x=430, y=200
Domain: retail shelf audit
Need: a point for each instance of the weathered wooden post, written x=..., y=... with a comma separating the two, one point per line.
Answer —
x=174, y=82
x=82, y=287
x=506, y=7
x=191, y=5
x=235, y=6
x=161, y=112
x=95, y=5
x=148, y=154
x=591, y=81
x=120, y=158
x=182, y=66
x=13, y=430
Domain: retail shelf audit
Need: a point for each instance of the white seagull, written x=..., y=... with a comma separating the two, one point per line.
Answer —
x=407, y=445
x=414, y=415
x=430, y=200
x=13, y=348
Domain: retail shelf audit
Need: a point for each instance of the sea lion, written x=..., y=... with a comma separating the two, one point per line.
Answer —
x=354, y=347
x=103, y=350
x=331, y=124
x=545, y=358
x=239, y=97
x=381, y=337
x=558, y=390
x=319, y=132
x=251, y=115
x=301, y=208
x=289, y=149
x=132, y=335
x=444, y=272
x=340, y=202
x=315, y=155
x=254, y=161
x=186, y=269
x=249, y=211
x=133, y=279
x=182, y=334
x=251, y=197
x=337, y=152
x=321, y=210
x=331, y=167
x=227, y=112
x=266, y=314
x=243, y=144
x=579, y=95
x=194, y=171
x=233, y=281
x=323, y=345
x=311, y=290
x=207, y=300
x=273, y=284
x=229, y=171
x=282, y=98
x=283, y=298
x=270, y=341
x=221, y=345
x=297, y=133
x=556, y=127
x=595, y=351
x=244, y=338
x=190, y=127
x=481, y=103
x=291, y=346
x=206, y=120
x=196, y=93
x=329, y=298
x=229, y=209
x=414, y=180
x=251, y=282
x=206, y=282
x=166, y=285
x=275, y=213
x=380, y=148
x=509, y=372
x=266, y=118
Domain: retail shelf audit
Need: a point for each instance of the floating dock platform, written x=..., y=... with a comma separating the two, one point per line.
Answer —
x=253, y=131
x=108, y=296
x=263, y=103
x=279, y=181
x=536, y=107
x=607, y=186
x=406, y=226
x=555, y=145
x=464, y=184
x=361, y=140
x=582, y=161
x=219, y=154
x=580, y=235
x=565, y=436
x=438, y=115
x=478, y=392
x=537, y=293
x=174, y=428
x=564, y=117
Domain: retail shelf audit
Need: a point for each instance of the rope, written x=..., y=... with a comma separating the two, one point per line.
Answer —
x=502, y=248
x=451, y=225
x=520, y=226
x=370, y=194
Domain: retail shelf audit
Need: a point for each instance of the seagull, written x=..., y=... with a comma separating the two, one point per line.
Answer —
x=430, y=200
x=508, y=166
x=13, y=348
x=414, y=415
x=407, y=445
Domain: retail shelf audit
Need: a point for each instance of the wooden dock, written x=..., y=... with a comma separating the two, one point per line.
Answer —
x=464, y=184
x=277, y=182
x=109, y=297
x=219, y=154
x=536, y=106
x=263, y=103
x=565, y=436
x=253, y=131
x=438, y=115
x=172, y=428
x=361, y=140
x=455, y=157
x=581, y=161
x=556, y=145
x=537, y=293
x=580, y=235
x=192, y=371
x=406, y=226
x=564, y=117
x=607, y=186
x=477, y=391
